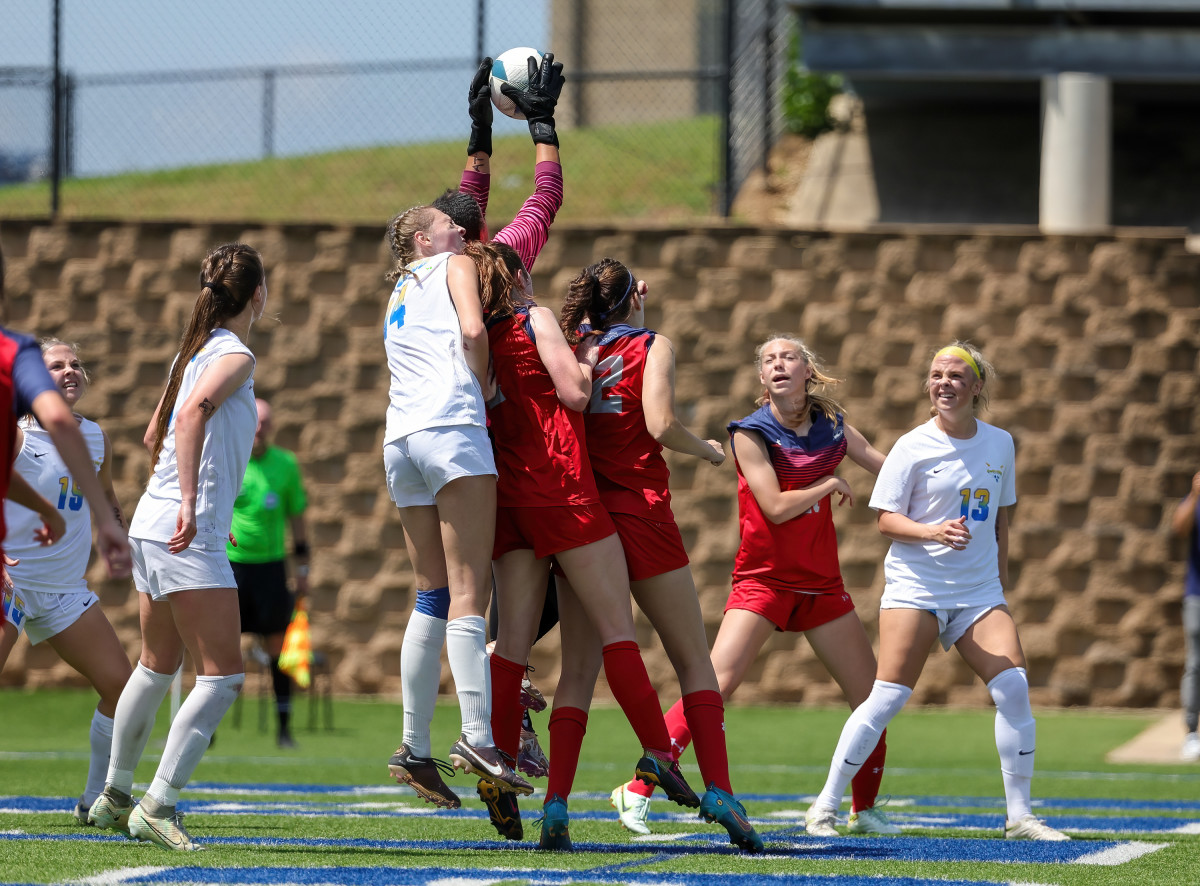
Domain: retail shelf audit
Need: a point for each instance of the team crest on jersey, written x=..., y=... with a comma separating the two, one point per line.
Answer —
x=996, y=472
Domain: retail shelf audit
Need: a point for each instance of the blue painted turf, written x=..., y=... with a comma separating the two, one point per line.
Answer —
x=909, y=820
x=997, y=802
x=781, y=843
x=377, y=876
x=622, y=860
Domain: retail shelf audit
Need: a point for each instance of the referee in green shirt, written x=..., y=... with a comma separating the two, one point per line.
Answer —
x=272, y=500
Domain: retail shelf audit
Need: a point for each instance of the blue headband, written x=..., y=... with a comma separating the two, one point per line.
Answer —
x=620, y=301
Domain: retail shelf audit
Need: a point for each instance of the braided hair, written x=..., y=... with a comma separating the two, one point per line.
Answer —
x=401, y=237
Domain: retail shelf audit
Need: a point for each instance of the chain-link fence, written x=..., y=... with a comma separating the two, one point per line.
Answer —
x=311, y=111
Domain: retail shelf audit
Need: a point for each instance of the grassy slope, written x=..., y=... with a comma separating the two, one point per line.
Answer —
x=773, y=750
x=661, y=171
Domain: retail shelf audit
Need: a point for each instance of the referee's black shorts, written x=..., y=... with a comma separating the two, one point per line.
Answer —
x=263, y=596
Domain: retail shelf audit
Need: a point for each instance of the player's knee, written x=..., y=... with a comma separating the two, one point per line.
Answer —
x=109, y=689
x=434, y=602
x=886, y=700
x=1010, y=691
x=729, y=678
x=871, y=718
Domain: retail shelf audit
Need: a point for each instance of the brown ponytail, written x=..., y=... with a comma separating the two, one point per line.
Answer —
x=499, y=268
x=602, y=293
x=229, y=275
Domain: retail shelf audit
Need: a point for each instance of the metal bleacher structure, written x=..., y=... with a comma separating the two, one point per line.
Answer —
x=318, y=696
x=1076, y=115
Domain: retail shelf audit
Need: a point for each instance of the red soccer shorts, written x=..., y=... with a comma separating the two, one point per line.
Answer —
x=651, y=547
x=789, y=610
x=550, y=530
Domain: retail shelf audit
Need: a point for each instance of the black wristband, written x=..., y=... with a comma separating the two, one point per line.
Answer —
x=300, y=549
x=542, y=132
x=480, y=141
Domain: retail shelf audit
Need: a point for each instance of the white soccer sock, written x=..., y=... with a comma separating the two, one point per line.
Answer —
x=100, y=738
x=420, y=675
x=190, y=734
x=133, y=721
x=466, y=647
x=859, y=737
x=1016, y=738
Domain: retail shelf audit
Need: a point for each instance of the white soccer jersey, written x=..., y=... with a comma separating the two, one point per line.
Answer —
x=930, y=477
x=228, y=437
x=432, y=385
x=58, y=567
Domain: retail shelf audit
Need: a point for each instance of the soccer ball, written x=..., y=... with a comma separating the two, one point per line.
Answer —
x=511, y=67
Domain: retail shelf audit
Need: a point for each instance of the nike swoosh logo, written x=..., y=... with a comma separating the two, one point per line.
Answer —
x=40, y=454
x=938, y=470
x=491, y=768
x=177, y=841
x=1025, y=753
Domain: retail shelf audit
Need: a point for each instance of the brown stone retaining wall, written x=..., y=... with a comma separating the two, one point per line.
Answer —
x=1095, y=339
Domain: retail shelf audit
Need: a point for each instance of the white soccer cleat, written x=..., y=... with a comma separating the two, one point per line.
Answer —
x=872, y=821
x=111, y=810
x=166, y=831
x=81, y=812
x=819, y=822
x=1190, y=752
x=632, y=809
x=1030, y=827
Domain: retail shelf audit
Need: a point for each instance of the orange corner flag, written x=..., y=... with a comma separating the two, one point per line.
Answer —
x=296, y=656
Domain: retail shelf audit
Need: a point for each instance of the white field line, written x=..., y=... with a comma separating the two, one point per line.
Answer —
x=120, y=875
x=1120, y=854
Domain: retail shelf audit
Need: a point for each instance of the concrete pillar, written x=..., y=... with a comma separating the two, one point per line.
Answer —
x=1076, y=185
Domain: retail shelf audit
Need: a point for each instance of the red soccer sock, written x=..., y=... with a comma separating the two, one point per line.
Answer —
x=864, y=787
x=567, y=727
x=677, y=727
x=639, y=787
x=705, y=713
x=506, y=704
x=629, y=682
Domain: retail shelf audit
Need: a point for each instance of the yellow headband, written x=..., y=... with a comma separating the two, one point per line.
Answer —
x=962, y=354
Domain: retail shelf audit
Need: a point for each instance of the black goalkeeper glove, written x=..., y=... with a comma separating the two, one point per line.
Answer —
x=479, y=104
x=538, y=100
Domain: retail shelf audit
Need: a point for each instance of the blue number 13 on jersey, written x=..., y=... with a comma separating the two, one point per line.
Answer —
x=981, y=496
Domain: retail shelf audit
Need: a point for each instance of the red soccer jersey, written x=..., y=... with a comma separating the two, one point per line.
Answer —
x=8, y=420
x=630, y=471
x=540, y=457
x=801, y=553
